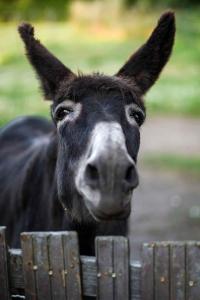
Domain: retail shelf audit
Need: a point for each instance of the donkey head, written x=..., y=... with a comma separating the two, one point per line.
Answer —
x=98, y=119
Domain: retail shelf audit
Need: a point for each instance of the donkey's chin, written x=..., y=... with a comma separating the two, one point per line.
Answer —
x=100, y=215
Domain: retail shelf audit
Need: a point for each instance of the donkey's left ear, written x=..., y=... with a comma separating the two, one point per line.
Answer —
x=145, y=65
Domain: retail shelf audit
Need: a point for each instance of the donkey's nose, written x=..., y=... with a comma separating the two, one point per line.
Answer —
x=106, y=175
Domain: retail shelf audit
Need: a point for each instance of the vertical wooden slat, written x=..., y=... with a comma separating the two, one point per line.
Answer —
x=56, y=261
x=121, y=268
x=41, y=262
x=4, y=284
x=147, y=273
x=72, y=265
x=112, y=256
x=161, y=271
x=28, y=264
x=104, y=256
x=177, y=271
x=193, y=271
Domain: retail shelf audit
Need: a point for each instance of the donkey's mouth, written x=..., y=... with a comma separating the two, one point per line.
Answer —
x=103, y=216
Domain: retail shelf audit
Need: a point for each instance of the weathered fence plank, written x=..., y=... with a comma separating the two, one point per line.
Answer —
x=4, y=278
x=104, y=251
x=121, y=268
x=147, y=280
x=41, y=265
x=56, y=264
x=177, y=271
x=72, y=266
x=193, y=271
x=28, y=264
x=51, y=265
x=112, y=256
x=161, y=271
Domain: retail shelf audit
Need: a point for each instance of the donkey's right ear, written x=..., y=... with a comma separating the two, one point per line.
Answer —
x=49, y=69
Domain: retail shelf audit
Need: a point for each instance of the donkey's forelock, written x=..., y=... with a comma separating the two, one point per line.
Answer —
x=82, y=85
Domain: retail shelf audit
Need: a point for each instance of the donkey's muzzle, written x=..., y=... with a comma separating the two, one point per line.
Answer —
x=107, y=175
x=114, y=181
x=101, y=174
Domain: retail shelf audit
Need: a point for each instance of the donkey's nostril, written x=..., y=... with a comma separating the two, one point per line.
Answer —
x=130, y=172
x=92, y=173
x=131, y=178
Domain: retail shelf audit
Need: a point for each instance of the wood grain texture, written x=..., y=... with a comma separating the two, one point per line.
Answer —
x=4, y=277
x=161, y=271
x=72, y=266
x=41, y=263
x=28, y=263
x=56, y=266
x=177, y=271
x=104, y=255
x=112, y=254
x=147, y=273
x=193, y=271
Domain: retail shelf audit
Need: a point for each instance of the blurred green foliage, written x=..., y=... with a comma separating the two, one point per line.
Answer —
x=34, y=9
x=60, y=9
x=173, y=162
x=163, y=3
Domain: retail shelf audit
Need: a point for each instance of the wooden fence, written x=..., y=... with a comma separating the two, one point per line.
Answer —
x=49, y=267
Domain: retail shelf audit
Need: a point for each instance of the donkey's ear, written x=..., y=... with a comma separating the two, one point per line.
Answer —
x=145, y=65
x=49, y=69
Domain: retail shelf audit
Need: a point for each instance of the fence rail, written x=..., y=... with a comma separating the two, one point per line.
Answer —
x=49, y=267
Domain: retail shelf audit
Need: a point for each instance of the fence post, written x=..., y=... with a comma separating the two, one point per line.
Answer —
x=4, y=279
x=112, y=254
x=51, y=265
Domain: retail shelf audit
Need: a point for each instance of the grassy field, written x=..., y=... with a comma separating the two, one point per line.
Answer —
x=186, y=164
x=102, y=47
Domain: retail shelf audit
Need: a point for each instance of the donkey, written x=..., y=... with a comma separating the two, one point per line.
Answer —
x=78, y=172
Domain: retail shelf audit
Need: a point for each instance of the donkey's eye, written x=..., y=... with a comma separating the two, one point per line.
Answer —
x=137, y=115
x=62, y=112
x=134, y=114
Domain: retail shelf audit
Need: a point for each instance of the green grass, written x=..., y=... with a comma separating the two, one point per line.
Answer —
x=173, y=162
x=105, y=48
